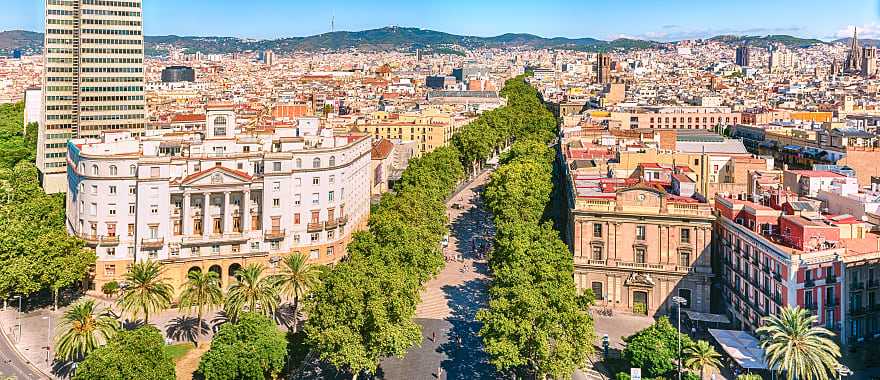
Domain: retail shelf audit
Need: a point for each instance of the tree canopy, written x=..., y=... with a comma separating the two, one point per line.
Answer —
x=135, y=354
x=251, y=348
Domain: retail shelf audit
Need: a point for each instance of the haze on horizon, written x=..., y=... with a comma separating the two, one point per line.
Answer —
x=603, y=19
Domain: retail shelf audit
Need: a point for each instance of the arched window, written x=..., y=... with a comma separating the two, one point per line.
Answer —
x=95, y=170
x=299, y=163
x=316, y=163
x=112, y=169
x=132, y=170
x=332, y=160
x=220, y=120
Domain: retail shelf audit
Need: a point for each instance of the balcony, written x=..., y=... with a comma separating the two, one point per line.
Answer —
x=274, y=234
x=830, y=279
x=198, y=239
x=811, y=306
x=809, y=283
x=343, y=220
x=856, y=286
x=93, y=240
x=152, y=243
x=331, y=224
x=315, y=227
x=873, y=283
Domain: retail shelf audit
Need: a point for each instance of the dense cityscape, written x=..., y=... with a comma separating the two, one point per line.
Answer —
x=404, y=203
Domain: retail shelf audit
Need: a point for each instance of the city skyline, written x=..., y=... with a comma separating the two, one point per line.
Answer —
x=271, y=19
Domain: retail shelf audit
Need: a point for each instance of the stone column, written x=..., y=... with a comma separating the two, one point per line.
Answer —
x=246, y=211
x=227, y=214
x=207, y=223
x=187, y=218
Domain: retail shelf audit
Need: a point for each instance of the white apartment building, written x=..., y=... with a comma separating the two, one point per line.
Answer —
x=93, y=79
x=219, y=198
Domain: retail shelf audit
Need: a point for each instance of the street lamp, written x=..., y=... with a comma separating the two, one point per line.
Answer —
x=679, y=301
x=18, y=338
x=48, y=337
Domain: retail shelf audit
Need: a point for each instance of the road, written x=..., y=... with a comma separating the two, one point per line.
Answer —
x=12, y=364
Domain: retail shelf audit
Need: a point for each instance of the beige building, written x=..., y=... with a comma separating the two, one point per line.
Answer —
x=430, y=128
x=640, y=246
x=93, y=79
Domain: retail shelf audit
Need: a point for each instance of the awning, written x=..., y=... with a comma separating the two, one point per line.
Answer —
x=742, y=347
x=706, y=317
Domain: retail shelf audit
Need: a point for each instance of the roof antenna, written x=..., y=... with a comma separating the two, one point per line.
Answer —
x=333, y=22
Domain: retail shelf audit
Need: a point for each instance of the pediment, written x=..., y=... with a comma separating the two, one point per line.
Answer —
x=216, y=176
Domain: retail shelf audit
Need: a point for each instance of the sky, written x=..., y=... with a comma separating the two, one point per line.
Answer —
x=661, y=20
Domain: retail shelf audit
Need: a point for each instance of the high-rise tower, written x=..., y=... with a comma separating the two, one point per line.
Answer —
x=742, y=56
x=93, y=78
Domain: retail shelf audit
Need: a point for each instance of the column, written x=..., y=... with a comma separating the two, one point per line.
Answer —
x=246, y=211
x=227, y=214
x=207, y=223
x=187, y=218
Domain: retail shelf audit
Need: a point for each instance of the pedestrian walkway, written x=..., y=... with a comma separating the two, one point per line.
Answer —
x=451, y=348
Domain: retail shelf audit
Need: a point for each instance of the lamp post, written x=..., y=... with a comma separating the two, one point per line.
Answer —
x=679, y=301
x=48, y=336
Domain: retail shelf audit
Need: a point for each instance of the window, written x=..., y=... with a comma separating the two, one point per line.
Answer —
x=597, y=290
x=299, y=163
x=154, y=172
x=111, y=209
x=329, y=251
x=276, y=186
x=316, y=181
x=297, y=181
x=316, y=163
x=297, y=199
x=314, y=237
x=640, y=255
x=111, y=251
x=94, y=189
x=255, y=246
x=331, y=234
x=276, y=202
x=109, y=270
x=112, y=189
x=215, y=249
x=330, y=196
x=316, y=198
x=132, y=190
x=685, y=235
x=597, y=252
x=686, y=294
x=313, y=254
x=296, y=219
x=131, y=208
x=95, y=170
x=276, y=166
x=274, y=245
x=93, y=209
x=154, y=209
x=113, y=169
x=597, y=230
x=684, y=258
x=332, y=179
x=332, y=160
x=640, y=232
x=132, y=170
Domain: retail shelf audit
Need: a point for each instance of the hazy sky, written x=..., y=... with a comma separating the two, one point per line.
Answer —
x=606, y=19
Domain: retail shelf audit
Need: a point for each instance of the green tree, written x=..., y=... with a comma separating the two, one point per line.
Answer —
x=110, y=288
x=65, y=261
x=83, y=328
x=655, y=349
x=362, y=312
x=253, y=292
x=701, y=356
x=296, y=279
x=201, y=293
x=137, y=354
x=145, y=290
x=250, y=348
x=794, y=346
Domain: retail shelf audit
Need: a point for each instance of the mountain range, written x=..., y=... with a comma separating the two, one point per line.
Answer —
x=390, y=38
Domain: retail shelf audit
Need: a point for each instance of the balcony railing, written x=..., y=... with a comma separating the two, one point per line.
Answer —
x=315, y=227
x=274, y=234
x=873, y=283
x=809, y=283
x=343, y=220
x=213, y=238
x=92, y=239
x=830, y=279
x=811, y=306
x=152, y=242
x=331, y=224
x=643, y=266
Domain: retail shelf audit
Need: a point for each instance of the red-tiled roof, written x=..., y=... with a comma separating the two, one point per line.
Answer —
x=381, y=149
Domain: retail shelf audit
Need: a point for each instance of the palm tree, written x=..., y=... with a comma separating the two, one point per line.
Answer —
x=702, y=356
x=297, y=277
x=84, y=327
x=251, y=292
x=201, y=292
x=145, y=291
x=792, y=344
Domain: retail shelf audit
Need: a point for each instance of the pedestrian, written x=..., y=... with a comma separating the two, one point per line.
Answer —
x=433, y=336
